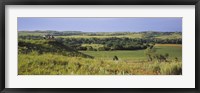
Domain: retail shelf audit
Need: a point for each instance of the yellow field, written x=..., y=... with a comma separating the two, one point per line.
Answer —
x=93, y=45
x=173, y=36
x=119, y=36
x=172, y=45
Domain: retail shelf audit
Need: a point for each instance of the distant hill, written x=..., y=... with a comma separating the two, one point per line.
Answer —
x=146, y=34
x=55, y=33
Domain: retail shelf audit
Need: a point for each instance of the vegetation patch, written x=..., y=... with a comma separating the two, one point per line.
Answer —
x=101, y=53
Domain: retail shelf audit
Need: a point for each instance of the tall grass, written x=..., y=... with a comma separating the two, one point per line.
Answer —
x=51, y=64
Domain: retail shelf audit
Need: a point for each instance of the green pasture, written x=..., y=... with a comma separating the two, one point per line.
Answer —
x=137, y=55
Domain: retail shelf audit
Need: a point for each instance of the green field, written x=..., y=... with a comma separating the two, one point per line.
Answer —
x=137, y=55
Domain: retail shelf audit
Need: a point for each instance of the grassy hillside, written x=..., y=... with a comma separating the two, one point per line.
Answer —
x=48, y=46
x=49, y=64
x=51, y=61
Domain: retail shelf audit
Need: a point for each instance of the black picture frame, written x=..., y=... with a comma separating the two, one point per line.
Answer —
x=3, y=3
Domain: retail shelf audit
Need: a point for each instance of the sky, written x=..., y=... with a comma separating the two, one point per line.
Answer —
x=102, y=24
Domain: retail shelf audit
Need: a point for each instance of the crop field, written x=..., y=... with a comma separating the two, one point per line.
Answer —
x=106, y=36
x=96, y=46
x=173, y=36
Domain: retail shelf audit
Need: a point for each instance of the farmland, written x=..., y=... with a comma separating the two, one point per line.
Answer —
x=104, y=36
x=106, y=53
x=174, y=50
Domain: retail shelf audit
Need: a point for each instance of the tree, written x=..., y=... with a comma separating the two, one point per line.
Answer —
x=166, y=55
x=115, y=58
x=101, y=49
x=176, y=59
x=150, y=52
x=161, y=58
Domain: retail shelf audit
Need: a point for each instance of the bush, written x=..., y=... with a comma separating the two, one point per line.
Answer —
x=171, y=69
x=89, y=48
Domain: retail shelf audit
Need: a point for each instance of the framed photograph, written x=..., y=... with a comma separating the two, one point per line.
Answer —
x=99, y=46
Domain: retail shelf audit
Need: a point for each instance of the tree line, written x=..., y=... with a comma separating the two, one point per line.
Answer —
x=114, y=43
